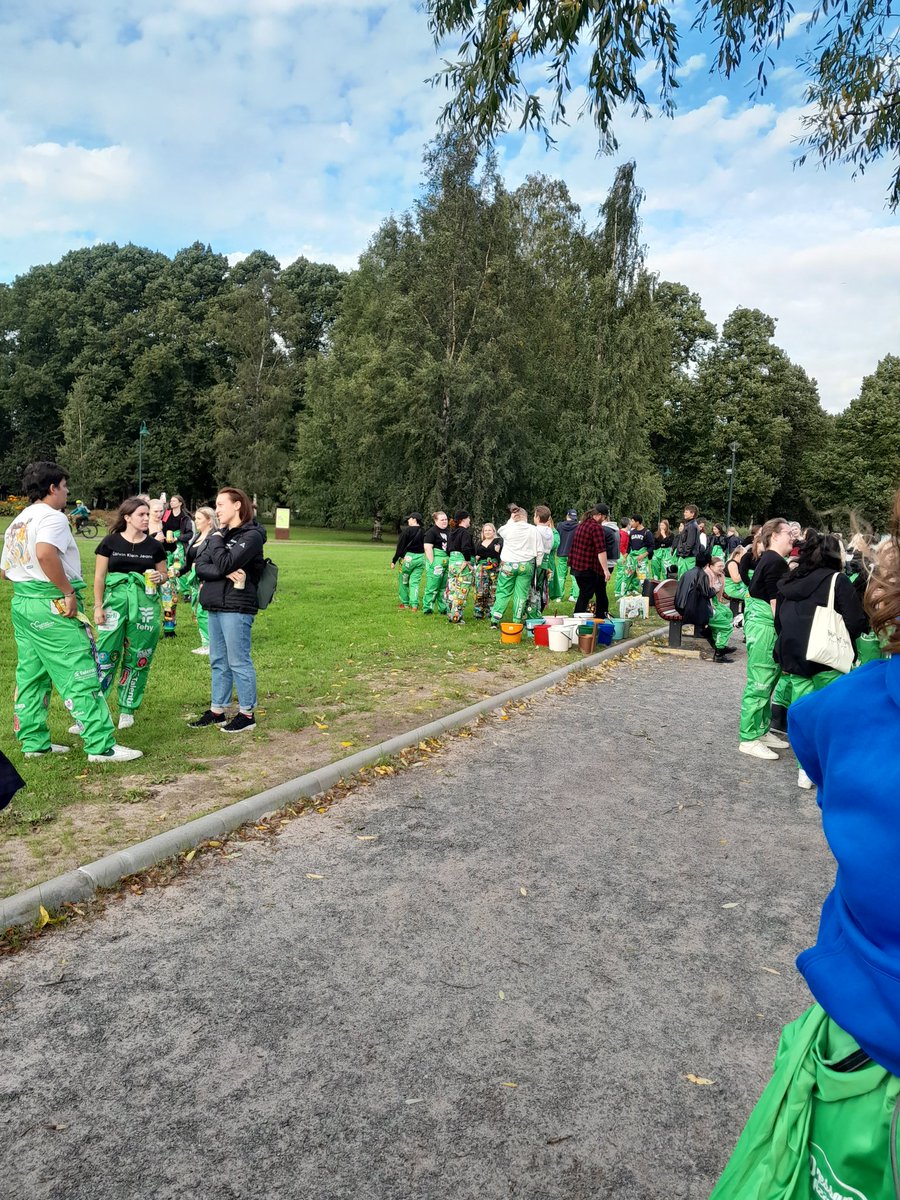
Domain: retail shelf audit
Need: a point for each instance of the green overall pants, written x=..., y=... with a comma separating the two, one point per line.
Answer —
x=411, y=569
x=201, y=616
x=513, y=582
x=558, y=584
x=56, y=650
x=435, y=583
x=721, y=623
x=686, y=564
x=132, y=622
x=554, y=583
x=459, y=581
x=868, y=648
x=762, y=670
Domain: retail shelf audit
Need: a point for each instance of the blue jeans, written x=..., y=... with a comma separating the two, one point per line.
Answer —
x=230, y=661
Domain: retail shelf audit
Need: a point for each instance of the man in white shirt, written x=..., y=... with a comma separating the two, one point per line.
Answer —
x=41, y=560
x=522, y=550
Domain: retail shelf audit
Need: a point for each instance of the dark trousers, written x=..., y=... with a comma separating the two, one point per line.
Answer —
x=591, y=586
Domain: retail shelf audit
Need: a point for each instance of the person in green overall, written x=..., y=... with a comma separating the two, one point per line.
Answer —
x=461, y=552
x=636, y=568
x=759, y=627
x=566, y=532
x=435, y=544
x=859, y=568
x=800, y=593
x=663, y=552
x=521, y=552
x=735, y=588
x=687, y=542
x=205, y=522
x=129, y=570
x=410, y=553
x=542, y=581
x=54, y=641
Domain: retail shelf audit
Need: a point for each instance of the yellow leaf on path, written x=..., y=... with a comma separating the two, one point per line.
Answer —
x=731, y=904
x=367, y=837
x=44, y=918
x=216, y=844
x=502, y=995
x=320, y=725
x=190, y=854
x=312, y=875
x=770, y=970
x=699, y=1080
x=523, y=891
x=346, y=743
x=233, y=854
x=509, y=1085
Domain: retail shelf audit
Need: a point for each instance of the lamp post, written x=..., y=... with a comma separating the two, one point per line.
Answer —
x=142, y=433
x=729, y=471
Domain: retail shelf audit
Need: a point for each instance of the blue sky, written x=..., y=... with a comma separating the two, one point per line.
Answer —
x=297, y=127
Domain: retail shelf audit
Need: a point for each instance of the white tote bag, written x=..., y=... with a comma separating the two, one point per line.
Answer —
x=829, y=642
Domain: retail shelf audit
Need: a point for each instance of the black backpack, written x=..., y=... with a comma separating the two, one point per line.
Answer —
x=266, y=584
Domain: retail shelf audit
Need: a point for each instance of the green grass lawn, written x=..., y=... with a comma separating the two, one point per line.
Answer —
x=339, y=668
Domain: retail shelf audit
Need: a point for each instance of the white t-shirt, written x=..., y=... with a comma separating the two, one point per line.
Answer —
x=546, y=535
x=521, y=542
x=38, y=523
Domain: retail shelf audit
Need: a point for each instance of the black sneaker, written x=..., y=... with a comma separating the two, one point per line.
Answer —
x=239, y=723
x=208, y=718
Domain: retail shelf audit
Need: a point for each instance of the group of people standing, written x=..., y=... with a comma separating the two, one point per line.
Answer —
x=151, y=551
x=523, y=565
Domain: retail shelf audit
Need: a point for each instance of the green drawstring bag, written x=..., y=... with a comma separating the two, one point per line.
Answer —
x=825, y=1128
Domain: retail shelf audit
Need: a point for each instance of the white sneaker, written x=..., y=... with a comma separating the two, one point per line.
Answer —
x=804, y=781
x=201, y=650
x=757, y=749
x=77, y=728
x=54, y=749
x=116, y=755
x=773, y=741
x=126, y=720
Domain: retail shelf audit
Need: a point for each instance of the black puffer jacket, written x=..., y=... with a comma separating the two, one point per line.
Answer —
x=223, y=552
x=798, y=598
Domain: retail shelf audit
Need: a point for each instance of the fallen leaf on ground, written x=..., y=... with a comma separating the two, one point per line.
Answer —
x=502, y=995
x=322, y=809
x=367, y=837
x=312, y=875
x=416, y=1100
x=770, y=970
x=346, y=743
x=190, y=854
x=320, y=725
x=509, y=1085
x=699, y=1080
x=233, y=854
x=731, y=904
x=215, y=844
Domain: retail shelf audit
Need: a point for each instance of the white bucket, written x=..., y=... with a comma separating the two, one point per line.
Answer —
x=558, y=638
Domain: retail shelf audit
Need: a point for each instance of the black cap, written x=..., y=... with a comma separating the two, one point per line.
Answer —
x=460, y=515
x=414, y=516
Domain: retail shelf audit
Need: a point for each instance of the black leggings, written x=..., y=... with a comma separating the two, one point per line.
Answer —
x=591, y=584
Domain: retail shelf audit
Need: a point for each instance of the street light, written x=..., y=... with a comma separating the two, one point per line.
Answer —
x=142, y=433
x=729, y=471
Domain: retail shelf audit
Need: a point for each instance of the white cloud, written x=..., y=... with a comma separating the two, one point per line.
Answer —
x=296, y=126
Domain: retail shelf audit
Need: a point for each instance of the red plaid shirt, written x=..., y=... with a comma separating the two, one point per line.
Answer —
x=588, y=541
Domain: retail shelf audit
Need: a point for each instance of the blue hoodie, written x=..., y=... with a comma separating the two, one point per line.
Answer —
x=847, y=738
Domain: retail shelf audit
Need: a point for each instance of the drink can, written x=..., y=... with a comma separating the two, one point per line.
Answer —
x=149, y=583
x=170, y=535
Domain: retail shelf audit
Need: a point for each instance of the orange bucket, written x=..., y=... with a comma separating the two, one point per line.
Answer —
x=511, y=632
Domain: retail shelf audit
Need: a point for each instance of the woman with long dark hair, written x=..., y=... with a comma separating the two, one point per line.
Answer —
x=461, y=551
x=229, y=565
x=818, y=575
x=130, y=568
x=759, y=627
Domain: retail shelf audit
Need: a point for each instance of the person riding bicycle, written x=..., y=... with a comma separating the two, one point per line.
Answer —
x=80, y=514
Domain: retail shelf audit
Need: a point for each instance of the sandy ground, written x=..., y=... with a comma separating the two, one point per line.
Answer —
x=589, y=901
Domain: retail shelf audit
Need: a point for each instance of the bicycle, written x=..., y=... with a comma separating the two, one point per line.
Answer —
x=86, y=527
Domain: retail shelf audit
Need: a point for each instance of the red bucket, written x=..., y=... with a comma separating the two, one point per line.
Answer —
x=542, y=635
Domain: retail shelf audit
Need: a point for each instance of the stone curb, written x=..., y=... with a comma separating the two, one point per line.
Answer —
x=83, y=883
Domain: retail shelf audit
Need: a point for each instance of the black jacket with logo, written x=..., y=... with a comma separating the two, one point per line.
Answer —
x=225, y=551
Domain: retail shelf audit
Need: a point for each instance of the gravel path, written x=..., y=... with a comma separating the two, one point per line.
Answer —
x=589, y=901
